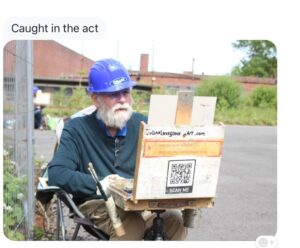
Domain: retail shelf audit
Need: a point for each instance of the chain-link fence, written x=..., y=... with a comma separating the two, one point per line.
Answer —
x=18, y=164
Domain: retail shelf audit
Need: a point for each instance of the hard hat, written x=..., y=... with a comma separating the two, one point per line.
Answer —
x=108, y=75
x=35, y=89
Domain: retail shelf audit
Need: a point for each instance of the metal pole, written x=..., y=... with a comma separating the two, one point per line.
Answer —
x=193, y=63
x=16, y=97
x=30, y=158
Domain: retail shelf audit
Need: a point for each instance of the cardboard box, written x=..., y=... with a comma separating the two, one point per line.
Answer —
x=42, y=99
x=178, y=162
x=178, y=157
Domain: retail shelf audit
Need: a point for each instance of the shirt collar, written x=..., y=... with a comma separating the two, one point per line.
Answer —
x=121, y=132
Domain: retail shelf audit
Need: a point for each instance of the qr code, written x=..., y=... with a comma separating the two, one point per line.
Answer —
x=181, y=173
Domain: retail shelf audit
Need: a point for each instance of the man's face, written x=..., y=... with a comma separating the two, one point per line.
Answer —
x=114, y=109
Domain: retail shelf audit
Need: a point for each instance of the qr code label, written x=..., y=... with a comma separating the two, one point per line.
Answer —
x=180, y=177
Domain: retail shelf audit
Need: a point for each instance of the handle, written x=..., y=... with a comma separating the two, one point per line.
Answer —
x=110, y=204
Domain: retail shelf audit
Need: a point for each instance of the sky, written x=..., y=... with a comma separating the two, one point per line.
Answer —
x=209, y=57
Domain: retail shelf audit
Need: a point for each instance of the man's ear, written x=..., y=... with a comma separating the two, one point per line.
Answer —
x=94, y=99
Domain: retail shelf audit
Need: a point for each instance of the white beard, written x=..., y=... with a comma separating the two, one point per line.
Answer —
x=115, y=117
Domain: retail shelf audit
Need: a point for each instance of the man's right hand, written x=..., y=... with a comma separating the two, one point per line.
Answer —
x=105, y=182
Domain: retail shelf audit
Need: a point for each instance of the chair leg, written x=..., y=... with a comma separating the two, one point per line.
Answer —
x=60, y=221
x=57, y=220
x=76, y=232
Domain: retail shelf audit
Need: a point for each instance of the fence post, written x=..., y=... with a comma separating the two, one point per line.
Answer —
x=18, y=138
x=30, y=125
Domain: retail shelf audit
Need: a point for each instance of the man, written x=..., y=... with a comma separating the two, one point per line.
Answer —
x=108, y=139
x=38, y=110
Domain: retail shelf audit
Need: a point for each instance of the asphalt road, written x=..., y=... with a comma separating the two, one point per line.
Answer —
x=246, y=203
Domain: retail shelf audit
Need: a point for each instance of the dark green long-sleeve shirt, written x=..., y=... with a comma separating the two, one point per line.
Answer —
x=85, y=140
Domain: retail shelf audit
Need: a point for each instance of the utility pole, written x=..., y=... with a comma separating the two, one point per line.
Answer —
x=153, y=77
x=193, y=63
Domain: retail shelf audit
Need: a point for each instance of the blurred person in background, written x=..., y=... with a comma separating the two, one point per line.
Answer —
x=38, y=109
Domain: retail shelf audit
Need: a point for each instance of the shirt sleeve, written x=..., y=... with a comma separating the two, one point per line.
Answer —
x=64, y=169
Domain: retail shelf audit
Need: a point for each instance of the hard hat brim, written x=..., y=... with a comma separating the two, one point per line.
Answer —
x=113, y=88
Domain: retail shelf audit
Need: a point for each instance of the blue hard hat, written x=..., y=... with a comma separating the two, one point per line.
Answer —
x=35, y=89
x=108, y=75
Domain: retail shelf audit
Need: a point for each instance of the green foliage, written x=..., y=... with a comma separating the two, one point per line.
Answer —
x=263, y=96
x=257, y=66
x=59, y=97
x=65, y=105
x=79, y=99
x=40, y=165
x=13, y=195
x=232, y=106
x=40, y=230
x=261, y=60
x=141, y=101
x=246, y=115
x=12, y=235
x=62, y=112
x=227, y=91
x=38, y=233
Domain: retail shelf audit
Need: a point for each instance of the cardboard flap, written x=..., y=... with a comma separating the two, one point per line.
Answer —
x=162, y=110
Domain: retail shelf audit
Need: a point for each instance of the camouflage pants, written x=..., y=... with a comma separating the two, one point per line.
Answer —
x=133, y=221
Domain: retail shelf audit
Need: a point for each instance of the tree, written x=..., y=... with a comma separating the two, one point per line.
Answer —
x=261, y=60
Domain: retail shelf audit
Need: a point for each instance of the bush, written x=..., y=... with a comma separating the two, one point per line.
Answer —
x=264, y=97
x=13, y=196
x=65, y=105
x=79, y=99
x=227, y=91
x=141, y=101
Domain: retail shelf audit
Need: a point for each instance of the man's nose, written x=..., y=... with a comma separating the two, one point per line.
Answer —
x=122, y=97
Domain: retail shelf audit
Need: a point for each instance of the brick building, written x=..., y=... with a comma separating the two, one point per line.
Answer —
x=55, y=61
x=187, y=80
x=56, y=65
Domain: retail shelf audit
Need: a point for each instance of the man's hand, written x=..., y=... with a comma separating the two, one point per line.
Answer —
x=105, y=182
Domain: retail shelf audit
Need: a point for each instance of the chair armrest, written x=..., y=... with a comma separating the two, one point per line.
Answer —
x=67, y=199
x=48, y=189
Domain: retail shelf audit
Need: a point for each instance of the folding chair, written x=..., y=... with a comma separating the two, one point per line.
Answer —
x=45, y=193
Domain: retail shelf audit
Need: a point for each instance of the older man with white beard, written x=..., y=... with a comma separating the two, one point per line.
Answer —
x=108, y=139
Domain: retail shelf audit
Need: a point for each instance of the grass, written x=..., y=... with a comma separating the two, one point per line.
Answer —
x=247, y=116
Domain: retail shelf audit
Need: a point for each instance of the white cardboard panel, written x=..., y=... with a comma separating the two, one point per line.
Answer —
x=42, y=99
x=155, y=173
x=204, y=182
x=162, y=110
x=188, y=132
x=203, y=111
